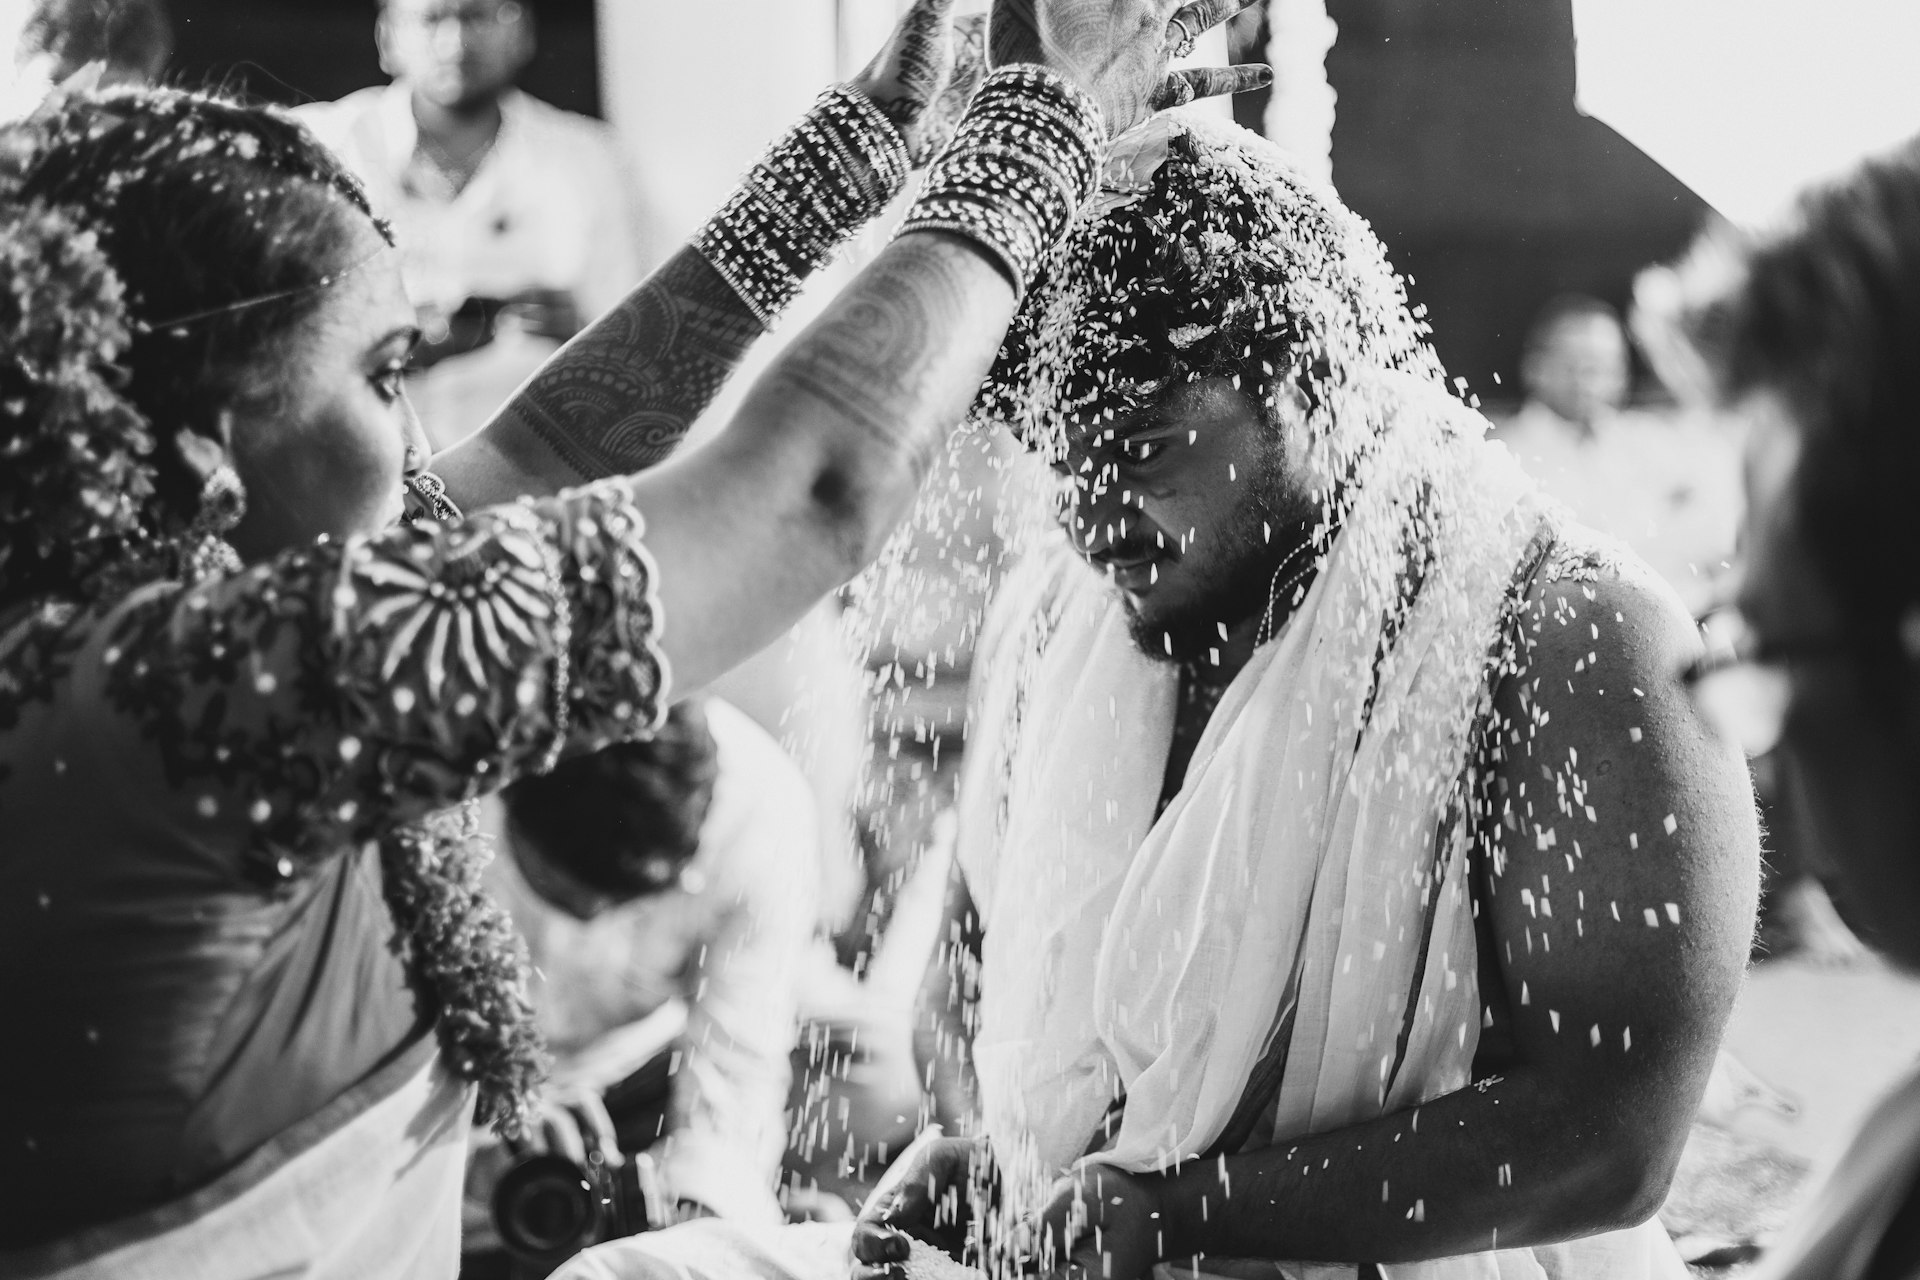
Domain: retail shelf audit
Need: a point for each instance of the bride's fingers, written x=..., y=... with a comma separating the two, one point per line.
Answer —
x=1182, y=87
x=969, y=51
x=1205, y=15
x=939, y=10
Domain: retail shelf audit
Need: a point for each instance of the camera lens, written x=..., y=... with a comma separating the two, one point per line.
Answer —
x=545, y=1209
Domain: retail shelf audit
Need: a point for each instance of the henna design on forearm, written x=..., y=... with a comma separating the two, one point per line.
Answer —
x=880, y=359
x=627, y=390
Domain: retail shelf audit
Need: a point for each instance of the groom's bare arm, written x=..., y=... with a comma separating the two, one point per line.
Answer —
x=1624, y=875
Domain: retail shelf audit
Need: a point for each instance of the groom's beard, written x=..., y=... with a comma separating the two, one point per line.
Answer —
x=1235, y=582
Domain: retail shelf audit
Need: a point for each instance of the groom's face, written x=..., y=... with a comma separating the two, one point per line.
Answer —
x=1186, y=507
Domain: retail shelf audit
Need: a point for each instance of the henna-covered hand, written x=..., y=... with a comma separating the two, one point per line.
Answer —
x=926, y=74
x=1119, y=50
x=622, y=395
x=619, y=399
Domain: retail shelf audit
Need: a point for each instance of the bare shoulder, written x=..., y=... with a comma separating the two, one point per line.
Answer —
x=1594, y=703
x=1597, y=606
x=1607, y=787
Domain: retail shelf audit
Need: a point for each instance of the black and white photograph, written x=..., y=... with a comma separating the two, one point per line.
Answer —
x=959, y=640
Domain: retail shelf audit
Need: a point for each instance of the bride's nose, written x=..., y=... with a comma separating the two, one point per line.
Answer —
x=419, y=447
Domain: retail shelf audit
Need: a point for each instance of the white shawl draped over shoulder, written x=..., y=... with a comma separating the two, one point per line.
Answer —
x=1300, y=908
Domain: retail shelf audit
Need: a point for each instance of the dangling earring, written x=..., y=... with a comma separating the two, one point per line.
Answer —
x=223, y=501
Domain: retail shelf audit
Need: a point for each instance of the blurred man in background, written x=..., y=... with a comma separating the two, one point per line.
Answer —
x=519, y=221
x=665, y=974
x=1666, y=482
x=1576, y=368
x=1813, y=346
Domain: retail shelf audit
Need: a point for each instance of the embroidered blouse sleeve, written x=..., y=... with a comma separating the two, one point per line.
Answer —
x=341, y=690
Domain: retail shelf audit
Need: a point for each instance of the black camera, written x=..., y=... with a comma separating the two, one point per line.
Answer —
x=548, y=1208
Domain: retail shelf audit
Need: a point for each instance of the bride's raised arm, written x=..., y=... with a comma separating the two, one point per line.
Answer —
x=621, y=395
x=825, y=455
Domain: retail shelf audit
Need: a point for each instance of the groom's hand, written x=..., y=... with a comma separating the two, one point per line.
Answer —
x=926, y=1199
x=1118, y=50
x=1101, y=1224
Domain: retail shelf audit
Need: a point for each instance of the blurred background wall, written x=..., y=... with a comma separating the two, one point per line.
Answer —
x=1455, y=133
x=1457, y=137
x=306, y=50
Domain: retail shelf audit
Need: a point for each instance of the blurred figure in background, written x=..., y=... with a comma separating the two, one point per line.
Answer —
x=665, y=973
x=1576, y=369
x=1810, y=341
x=132, y=39
x=519, y=222
x=1666, y=482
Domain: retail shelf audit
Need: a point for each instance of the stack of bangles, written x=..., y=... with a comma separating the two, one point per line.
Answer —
x=1022, y=163
x=1024, y=160
x=829, y=176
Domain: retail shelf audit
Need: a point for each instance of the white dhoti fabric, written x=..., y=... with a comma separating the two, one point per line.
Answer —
x=1302, y=905
x=366, y=1189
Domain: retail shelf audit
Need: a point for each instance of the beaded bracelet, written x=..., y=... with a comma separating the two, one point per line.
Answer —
x=829, y=176
x=1023, y=161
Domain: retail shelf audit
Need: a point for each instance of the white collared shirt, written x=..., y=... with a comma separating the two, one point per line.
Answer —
x=553, y=205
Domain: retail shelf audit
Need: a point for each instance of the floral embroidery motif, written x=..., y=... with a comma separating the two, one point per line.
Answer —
x=347, y=689
x=358, y=692
x=465, y=607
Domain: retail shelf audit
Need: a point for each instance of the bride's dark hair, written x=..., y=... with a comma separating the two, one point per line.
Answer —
x=159, y=254
x=124, y=212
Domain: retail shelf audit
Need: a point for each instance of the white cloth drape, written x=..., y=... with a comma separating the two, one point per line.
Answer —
x=1293, y=889
x=366, y=1189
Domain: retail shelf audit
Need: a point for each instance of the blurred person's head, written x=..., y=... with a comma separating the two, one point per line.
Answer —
x=617, y=824
x=132, y=38
x=1812, y=335
x=194, y=291
x=1576, y=361
x=457, y=55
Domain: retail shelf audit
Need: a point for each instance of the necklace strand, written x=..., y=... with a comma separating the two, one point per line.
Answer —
x=1267, y=628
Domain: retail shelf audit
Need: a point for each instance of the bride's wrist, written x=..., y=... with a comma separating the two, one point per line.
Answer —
x=830, y=175
x=1023, y=162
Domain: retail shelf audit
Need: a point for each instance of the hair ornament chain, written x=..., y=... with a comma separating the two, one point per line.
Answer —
x=247, y=304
